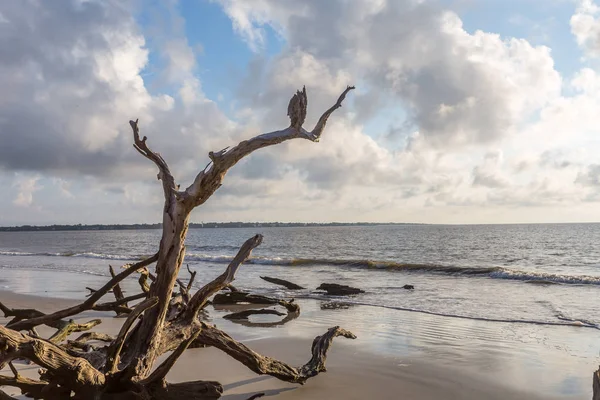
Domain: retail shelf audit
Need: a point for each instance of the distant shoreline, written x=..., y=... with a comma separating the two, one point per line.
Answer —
x=125, y=227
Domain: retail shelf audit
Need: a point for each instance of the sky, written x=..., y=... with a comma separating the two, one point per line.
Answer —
x=465, y=111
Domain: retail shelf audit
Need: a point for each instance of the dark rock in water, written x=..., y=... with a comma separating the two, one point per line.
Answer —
x=335, y=305
x=333, y=289
x=408, y=287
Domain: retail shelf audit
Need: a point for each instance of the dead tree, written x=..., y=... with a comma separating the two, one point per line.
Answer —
x=124, y=367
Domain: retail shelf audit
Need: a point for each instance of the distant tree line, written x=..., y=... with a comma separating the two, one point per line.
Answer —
x=123, y=227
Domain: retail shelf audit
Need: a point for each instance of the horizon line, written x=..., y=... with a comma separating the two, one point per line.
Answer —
x=193, y=225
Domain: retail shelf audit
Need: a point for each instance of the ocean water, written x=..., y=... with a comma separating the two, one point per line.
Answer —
x=538, y=274
x=514, y=303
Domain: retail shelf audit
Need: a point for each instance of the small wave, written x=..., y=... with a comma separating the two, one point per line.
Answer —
x=562, y=320
x=105, y=256
x=563, y=316
x=215, y=248
x=490, y=272
x=547, y=278
x=124, y=257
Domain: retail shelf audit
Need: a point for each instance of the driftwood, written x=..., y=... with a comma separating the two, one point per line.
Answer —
x=72, y=327
x=242, y=318
x=335, y=305
x=596, y=385
x=124, y=367
x=282, y=282
x=333, y=289
x=185, y=289
x=247, y=298
x=247, y=313
x=64, y=328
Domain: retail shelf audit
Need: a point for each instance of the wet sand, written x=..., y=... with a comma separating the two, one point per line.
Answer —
x=356, y=369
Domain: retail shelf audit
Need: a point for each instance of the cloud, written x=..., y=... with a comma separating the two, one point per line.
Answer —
x=64, y=187
x=489, y=174
x=26, y=187
x=459, y=88
x=445, y=124
x=71, y=74
x=585, y=25
x=590, y=176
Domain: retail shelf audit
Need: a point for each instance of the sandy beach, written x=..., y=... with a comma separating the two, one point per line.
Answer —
x=354, y=370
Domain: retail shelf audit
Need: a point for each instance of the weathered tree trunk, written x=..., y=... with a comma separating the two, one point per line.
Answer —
x=172, y=253
x=123, y=369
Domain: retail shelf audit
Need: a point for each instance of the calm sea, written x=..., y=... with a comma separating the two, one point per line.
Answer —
x=534, y=274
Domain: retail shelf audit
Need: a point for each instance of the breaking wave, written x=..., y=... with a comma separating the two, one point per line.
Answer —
x=122, y=257
x=489, y=272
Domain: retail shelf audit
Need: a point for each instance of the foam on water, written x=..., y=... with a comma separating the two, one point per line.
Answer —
x=490, y=272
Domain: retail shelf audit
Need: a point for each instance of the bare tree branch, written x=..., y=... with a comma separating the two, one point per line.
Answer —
x=117, y=306
x=202, y=295
x=88, y=336
x=162, y=370
x=282, y=282
x=143, y=281
x=73, y=327
x=164, y=173
x=236, y=297
x=263, y=365
x=86, y=305
x=117, y=289
x=184, y=289
x=318, y=129
x=209, y=180
x=112, y=360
